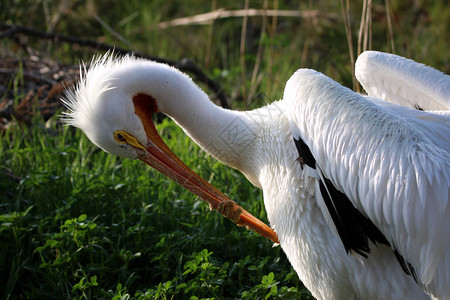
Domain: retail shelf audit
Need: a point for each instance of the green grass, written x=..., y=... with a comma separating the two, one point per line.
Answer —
x=76, y=222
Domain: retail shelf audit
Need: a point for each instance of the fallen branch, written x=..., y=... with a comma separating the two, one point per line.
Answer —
x=221, y=13
x=185, y=65
x=34, y=76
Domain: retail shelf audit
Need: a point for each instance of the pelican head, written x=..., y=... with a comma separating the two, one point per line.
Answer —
x=99, y=108
x=113, y=105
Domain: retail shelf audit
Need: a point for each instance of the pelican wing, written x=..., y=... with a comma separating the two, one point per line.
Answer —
x=403, y=81
x=386, y=165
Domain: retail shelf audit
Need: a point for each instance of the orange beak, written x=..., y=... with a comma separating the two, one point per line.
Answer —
x=158, y=155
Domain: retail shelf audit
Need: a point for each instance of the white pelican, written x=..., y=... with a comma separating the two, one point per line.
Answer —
x=356, y=188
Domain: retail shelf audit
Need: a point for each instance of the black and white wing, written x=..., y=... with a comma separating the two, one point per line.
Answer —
x=395, y=176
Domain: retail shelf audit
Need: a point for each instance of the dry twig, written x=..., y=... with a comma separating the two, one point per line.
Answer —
x=222, y=13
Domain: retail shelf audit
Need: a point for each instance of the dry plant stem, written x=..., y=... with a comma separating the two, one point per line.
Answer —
x=63, y=9
x=35, y=76
x=112, y=31
x=369, y=30
x=367, y=38
x=254, y=82
x=348, y=32
x=306, y=43
x=361, y=27
x=242, y=54
x=210, y=35
x=270, y=58
x=305, y=50
x=366, y=27
x=389, y=23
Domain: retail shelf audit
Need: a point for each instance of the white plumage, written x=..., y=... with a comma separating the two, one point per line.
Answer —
x=403, y=81
x=390, y=162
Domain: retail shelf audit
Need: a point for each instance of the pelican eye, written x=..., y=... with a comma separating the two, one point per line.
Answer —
x=118, y=136
x=123, y=137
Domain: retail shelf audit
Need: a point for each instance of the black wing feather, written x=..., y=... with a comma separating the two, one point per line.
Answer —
x=354, y=229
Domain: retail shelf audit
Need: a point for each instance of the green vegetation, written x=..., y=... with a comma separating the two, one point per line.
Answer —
x=78, y=223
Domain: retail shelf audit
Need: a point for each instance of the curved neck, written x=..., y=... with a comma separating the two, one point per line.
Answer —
x=220, y=132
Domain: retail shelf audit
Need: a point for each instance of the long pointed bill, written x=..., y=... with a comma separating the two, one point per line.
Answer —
x=158, y=155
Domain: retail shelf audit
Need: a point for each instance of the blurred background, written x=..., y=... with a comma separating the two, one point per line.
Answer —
x=250, y=48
